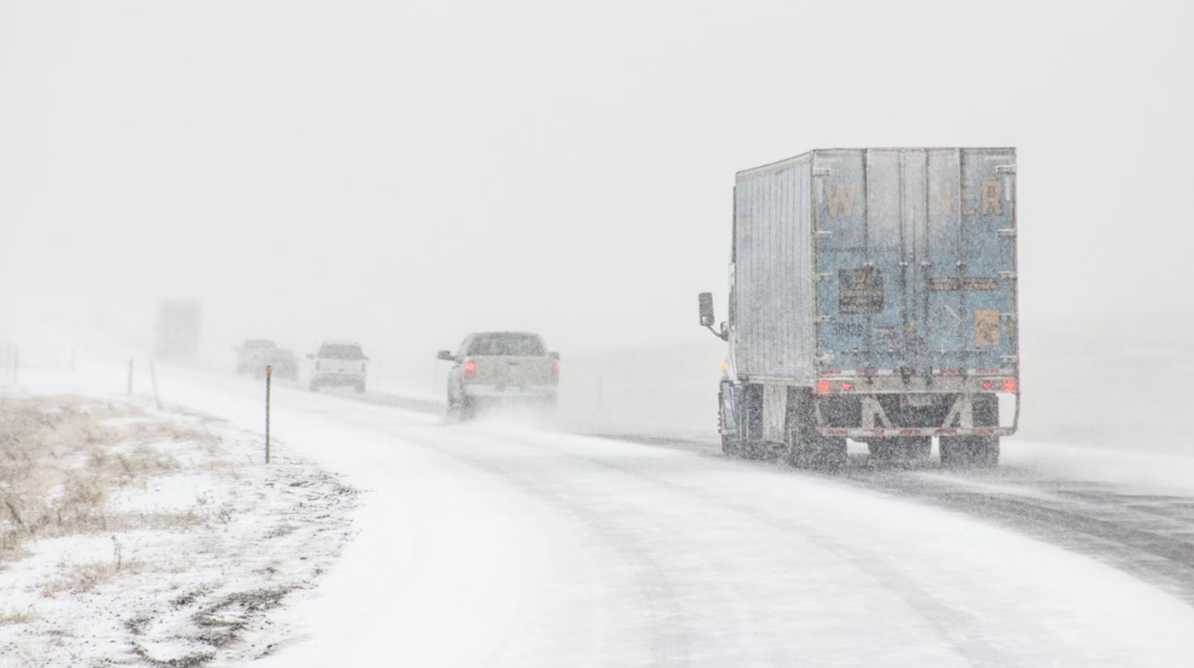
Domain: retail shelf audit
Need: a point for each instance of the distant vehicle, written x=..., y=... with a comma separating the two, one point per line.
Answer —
x=873, y=296
x=338, y=363
x=285, y=365
x=177, y=332
x=501, y=368
x=254, y=355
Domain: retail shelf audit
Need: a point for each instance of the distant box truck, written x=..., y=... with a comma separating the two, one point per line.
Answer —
x=178, y=326
x=873, y=296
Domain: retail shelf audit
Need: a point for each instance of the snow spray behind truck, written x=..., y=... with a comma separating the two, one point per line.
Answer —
x=873, y=296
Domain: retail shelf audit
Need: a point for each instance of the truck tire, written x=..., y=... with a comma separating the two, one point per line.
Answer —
x=920, y=448
x=750, y=444
x=986, y=453
x=884, y=449
x=904, y=450
x=969, y=452
x=467, y=408
x=824, y=453
x=729, y=445
x=806, y=449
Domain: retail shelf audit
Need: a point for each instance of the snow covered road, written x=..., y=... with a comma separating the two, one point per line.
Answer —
x=500, y=544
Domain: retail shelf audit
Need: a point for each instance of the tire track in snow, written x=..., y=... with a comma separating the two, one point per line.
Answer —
x=962, y=630
x=670, y=637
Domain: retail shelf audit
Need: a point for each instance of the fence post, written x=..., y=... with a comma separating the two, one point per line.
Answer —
x=269, y=373
x=130, y=376
x=153, y=379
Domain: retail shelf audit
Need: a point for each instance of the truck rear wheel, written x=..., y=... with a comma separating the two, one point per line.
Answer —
x=986, y=453
x=468, y=408
x=819, y=454
x=749, y=444
x=806, y=449
x=970, y=451
x=901, y=449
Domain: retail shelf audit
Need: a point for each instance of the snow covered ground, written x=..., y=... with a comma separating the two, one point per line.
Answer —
x=138, y=537
x=501, y=543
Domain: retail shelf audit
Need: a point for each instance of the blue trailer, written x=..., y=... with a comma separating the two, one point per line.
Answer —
x=873, y=296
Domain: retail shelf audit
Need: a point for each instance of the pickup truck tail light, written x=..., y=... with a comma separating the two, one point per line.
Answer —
x=470, y=369
x=555, y=372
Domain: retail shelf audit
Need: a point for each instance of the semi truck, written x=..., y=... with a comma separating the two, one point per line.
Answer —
x=873, y=297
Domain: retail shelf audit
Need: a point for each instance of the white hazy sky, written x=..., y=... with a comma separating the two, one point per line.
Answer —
x=404, y=173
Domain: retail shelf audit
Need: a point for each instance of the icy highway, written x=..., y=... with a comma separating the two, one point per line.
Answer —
x=500, y=544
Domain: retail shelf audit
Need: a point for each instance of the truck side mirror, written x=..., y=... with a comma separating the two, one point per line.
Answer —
x=706, y=303
x=445, y=355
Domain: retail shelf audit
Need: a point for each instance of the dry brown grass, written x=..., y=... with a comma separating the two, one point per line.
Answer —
x=17, y=617
x=82, y=578
x=62, y=458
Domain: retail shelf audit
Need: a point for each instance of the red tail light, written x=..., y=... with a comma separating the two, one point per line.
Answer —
x=470, y=369
x=824, y=387
x=1009, y=385
x=555, y=372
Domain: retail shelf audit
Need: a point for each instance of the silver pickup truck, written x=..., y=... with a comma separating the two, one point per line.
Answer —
x=495, y=368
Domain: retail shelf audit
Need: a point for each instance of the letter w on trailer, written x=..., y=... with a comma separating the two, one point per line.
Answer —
x=873, y=295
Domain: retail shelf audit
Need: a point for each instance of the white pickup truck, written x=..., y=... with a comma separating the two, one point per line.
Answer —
x=338, y=363
x=493, y=368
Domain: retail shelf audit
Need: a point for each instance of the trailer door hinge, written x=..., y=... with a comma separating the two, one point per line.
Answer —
x=1007, y=232
x=1007, y=275
x=822, y=319
x=822, y=171
x=1010, y=359
x=822, y=234
x=1005, y=169
x=822, y=277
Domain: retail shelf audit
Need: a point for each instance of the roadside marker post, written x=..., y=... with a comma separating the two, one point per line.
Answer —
x=269, y=372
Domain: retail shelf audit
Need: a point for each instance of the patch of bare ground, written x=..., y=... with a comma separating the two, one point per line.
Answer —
x=137, y=537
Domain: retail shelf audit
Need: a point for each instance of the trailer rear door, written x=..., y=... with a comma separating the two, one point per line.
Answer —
x=915, y=259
